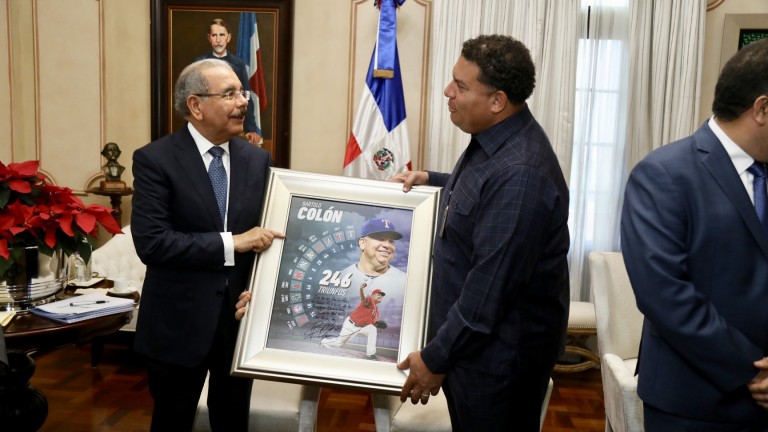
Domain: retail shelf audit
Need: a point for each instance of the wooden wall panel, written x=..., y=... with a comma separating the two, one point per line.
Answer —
x=70, y=89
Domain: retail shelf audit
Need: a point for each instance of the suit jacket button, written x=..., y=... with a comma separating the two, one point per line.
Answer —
x=219, y=293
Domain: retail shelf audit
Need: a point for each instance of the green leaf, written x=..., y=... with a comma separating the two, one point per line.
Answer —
x=5, y=264
x=5, y=195
x=84, y=248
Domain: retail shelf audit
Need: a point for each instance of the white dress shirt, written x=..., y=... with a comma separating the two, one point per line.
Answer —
x=203, y=145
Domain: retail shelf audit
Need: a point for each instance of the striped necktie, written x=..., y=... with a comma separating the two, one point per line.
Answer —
x=218, y=180
x=761, y=196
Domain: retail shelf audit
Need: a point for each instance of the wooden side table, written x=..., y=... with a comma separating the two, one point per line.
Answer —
x=32, y=333
x=115, y=198
x=29, y=333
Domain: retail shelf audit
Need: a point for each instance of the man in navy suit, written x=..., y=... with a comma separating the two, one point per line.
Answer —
x=198, y=253
x=500, y=274
x=697, y=257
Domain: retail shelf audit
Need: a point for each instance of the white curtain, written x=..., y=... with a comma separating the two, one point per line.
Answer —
x=666, y=46
x=629, y=102
x=599, y=136
x=638, y=88
x=549, y=28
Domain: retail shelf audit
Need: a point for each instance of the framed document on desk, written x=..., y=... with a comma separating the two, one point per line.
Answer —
x=306, y=289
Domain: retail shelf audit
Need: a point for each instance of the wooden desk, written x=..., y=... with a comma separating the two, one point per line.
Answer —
x=115, y=198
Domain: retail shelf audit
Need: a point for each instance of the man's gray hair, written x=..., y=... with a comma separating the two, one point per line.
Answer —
x=192, y=81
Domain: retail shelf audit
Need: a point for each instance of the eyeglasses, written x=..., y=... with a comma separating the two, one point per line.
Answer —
x=230, y=95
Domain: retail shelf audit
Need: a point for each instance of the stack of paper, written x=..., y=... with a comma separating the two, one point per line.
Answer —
x=83, y=307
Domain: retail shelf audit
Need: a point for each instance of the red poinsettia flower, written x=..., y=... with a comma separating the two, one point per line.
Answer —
x=34, y=212
x=18, y=170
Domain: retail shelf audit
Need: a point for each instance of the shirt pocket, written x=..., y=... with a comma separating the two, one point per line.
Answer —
x=462, y=208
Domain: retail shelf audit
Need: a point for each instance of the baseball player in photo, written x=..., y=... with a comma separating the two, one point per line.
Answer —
x=363, y=320
x=377, y=249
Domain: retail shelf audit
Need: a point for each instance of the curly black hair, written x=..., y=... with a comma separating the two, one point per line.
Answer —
x=742, y=81
x=505, y=64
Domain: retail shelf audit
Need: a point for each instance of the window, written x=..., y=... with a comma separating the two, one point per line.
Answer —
x=599, y=135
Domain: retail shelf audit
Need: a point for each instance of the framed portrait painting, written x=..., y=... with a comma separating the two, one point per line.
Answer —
x=344, y=296
x=260, y=37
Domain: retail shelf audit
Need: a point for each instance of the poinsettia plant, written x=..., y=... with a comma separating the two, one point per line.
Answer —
x=34, y=212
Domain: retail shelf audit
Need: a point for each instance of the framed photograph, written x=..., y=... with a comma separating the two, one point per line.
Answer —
x=345, y=295
x=180, y=31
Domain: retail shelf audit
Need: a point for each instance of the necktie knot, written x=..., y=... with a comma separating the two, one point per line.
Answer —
x=757, y=169
x=216, y=152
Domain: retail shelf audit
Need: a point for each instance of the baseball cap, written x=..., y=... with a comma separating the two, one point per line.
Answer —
x=379, y=226
x=378, y=291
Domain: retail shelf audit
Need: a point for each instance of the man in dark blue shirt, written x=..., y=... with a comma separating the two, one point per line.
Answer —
x=500, y=291
x=219, y=37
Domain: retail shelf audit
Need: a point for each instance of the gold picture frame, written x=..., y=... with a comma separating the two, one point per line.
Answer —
x=303, y=289
x=178, y=37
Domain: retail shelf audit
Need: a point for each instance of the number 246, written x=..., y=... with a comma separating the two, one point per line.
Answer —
x=333, y=278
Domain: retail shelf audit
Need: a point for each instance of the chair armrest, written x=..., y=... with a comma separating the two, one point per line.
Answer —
x=384, y=409
x=623, y=408
x=310, y=397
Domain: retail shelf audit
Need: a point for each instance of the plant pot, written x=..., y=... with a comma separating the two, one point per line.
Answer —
x=34, y=278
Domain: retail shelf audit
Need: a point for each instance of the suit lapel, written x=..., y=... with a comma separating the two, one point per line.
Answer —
x=237, y=181
x=193, y=167
x=718, y=163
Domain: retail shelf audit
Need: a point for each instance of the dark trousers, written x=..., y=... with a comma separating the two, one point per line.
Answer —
x=656, y=420
x=480, y=401
x=176, y=389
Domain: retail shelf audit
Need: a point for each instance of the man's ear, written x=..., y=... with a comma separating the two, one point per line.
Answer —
x=760, y=110
x=194, y=105
x=361, y=243
x=499, y=101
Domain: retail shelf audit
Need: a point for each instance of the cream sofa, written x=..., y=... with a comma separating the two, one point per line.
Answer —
x=118, y=258
x=275, y=407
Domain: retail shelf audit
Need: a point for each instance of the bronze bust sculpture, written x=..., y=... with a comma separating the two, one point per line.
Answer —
x=112, y=169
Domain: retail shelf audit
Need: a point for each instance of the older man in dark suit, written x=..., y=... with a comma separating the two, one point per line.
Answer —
x=696, y=250
x=195, y=220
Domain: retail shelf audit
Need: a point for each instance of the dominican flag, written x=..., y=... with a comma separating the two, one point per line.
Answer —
x=378, y=144
x=249, y=51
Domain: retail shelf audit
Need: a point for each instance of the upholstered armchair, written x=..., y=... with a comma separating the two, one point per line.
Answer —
x=393, y=416
x=275, y=407
x=118, y=258
x=619, y=325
